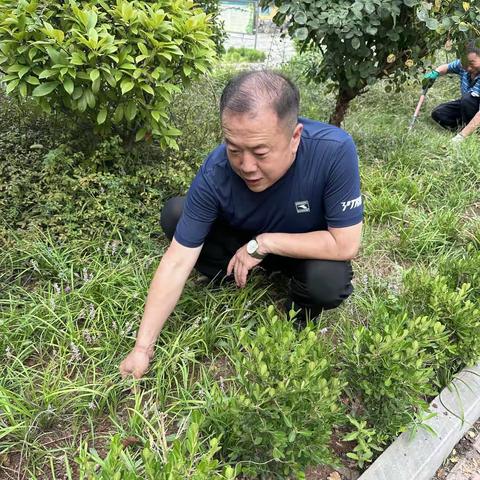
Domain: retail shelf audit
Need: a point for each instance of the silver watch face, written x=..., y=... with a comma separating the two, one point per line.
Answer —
x=252, y=246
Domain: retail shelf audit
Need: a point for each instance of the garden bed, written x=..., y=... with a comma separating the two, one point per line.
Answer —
x=75, y=269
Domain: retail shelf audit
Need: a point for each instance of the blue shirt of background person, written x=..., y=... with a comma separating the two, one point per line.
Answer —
x=467, y=83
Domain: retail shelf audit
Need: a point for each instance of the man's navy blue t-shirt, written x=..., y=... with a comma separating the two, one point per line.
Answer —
x=321, y=189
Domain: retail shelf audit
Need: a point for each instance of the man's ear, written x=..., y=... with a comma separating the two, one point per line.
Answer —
x=297, y=133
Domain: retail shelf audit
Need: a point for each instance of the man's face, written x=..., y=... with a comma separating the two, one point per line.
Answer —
x=473, y=66
x=260, y=149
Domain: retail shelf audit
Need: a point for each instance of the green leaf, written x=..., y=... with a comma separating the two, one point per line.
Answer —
x=12, y=85
x=44, y=89
x=96, y=86
x=77, y=93
x=118, y=114
x=355, y=43
x=68, y=85
x=94, y=75
x=90, y=97
x=102, y=116
x=140, y=134
x=23, y=71
x=172, y=132
x=93, y=35
x=284, y=8
x=126, y=86
x=82, y=103
x=130, y=110
x=32, y=80
x=143, y=49
x=301, y=33
x=23, y=89
x=432, y=24
x=148, y=88
x=77, y=58
x=300, y=18
x=58, y=58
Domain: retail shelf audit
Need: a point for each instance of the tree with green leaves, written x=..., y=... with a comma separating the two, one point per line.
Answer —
x=115, y=64
x=358, y=42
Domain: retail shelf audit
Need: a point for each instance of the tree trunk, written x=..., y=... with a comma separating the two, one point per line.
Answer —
x=344, y=97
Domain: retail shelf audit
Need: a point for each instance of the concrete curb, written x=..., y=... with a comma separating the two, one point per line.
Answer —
x=420, y=457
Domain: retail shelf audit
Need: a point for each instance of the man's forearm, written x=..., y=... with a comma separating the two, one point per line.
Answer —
x=320, y=245
x=163, y=295
x=442, y=69
x=471, y=126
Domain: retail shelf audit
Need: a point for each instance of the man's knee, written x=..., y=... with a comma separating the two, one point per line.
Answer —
x=469, y=107
x=171, y=213
x=325, y=284
x=436, y=116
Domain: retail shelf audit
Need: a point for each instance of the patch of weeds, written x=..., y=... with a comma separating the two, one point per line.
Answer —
x=187, y=457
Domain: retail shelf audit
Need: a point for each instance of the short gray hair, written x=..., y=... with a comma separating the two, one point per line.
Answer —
x=248, y=91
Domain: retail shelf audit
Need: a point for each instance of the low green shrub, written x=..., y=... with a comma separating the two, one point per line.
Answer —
x=186, y=458
x=244, y=54
x=276, y=415
x=116, y=66
x=453, y=306
x=389, y=365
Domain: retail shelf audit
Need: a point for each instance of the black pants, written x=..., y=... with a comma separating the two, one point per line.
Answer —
x=455, y=114
x=314, y=284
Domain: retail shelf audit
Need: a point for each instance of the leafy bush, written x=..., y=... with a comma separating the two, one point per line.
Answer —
x=47, y=182
x=278, y=414
x=244, y=54
x=117, y=66
x=184, y=459
x=455, y=307
x=389, y=366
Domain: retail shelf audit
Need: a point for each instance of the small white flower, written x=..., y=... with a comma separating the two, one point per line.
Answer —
x=87, y=337
x=34, y=265
x=86, y=276
x=57, y=289
x=115, y=244
x=91, y=312
x=75, y=353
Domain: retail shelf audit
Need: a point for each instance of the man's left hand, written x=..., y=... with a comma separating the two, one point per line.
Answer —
x=240, y=264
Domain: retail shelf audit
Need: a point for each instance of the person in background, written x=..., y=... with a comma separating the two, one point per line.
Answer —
x=461, y=115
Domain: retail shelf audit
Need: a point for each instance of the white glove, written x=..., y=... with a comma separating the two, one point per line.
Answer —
x=458, y=138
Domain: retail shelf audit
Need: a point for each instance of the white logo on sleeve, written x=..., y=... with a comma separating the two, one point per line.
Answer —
x=351, y=204
x=302, y=207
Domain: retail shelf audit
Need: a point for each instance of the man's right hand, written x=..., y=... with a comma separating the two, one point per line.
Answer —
x=429, y=78
x=136, y=362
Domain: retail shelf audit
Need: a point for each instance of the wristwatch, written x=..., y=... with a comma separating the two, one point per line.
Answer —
x=252, y=249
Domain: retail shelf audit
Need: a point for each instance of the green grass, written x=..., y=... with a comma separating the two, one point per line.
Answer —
x=243, y=55
x=70, y=305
